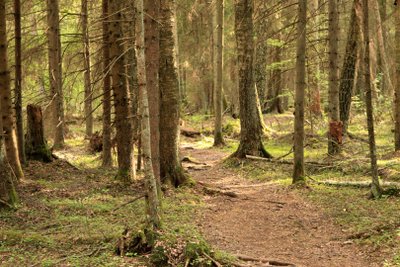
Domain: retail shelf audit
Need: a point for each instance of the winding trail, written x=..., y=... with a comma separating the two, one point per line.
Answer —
x=269, y=221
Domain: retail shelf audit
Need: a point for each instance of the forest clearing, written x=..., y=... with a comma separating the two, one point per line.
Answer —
x=201, y=133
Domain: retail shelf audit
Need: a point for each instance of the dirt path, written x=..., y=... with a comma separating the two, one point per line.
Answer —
x=270, y=221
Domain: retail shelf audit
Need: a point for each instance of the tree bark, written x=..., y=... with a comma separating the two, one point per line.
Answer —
x=18, y=82
x=123, y=123
x=55, y=71
x=87, y=77
x=106, y=154
x=171, y=170
x=150, y=180
x=375, y=186
x=335, y=128
x=8, y=128
x=152, y=53
x=36, y=145
x=250, y=116
x=397, y=91
x=298, y=167
x=347, y=80
x=218, y=50
x=8, y=194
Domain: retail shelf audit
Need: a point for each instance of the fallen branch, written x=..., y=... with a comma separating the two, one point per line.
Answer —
x=6, y=204
x=354, y=137
x=356, y=184
x=212, y=259
x=269, y=262
x=290, y=162
x=129, y=202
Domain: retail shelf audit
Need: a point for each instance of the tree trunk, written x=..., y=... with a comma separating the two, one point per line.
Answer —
x=8, y=195
x=347, y=80
x=250, y=116
x=87, y=77
x=36, y=145
x=298, y=168
x=106, y=154
x=8, y=128
x=218, y=50
x=55, y=71
x=375, y=186
x=123, y=123
x=386, y=84
x=152, y=53
x=171, y=170
x=150, y=180
x=18, y=82
x=397, y=91
x=315, y=70
x=335, y=127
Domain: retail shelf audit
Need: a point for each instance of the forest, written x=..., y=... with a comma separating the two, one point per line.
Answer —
x=200, y=133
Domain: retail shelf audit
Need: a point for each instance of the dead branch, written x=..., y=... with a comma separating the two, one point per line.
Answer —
x=129, y=202
x=269, y=262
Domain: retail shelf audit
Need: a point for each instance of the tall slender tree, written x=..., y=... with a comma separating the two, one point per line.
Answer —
x=218, y=50
x=397, y=91
x=87, y=72
x=106, y=153
x=298, y=170
x=152, y=47
x=250, y=116
x=55, y=71
x=18, y=81
x=348, y=74
x=171, y=171
x=376, y=190
x=123, y=123
x=335, y=128
x=8, y=125
x=150, y=180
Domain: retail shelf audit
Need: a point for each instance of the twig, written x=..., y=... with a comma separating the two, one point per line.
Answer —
x=129, y=202
x=7, y=204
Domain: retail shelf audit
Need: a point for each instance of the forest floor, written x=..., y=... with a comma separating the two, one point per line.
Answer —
x=72, y=212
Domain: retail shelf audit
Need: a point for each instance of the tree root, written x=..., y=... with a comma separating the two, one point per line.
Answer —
x=209, y=190
x=268, y=262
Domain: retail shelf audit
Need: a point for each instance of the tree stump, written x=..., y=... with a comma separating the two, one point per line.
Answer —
x=35, y=142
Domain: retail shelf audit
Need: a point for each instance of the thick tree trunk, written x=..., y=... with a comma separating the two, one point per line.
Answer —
x=87, y=77
x=250, y=116
x=36, y=145
x=218, y=50
x=18, y=82
x=55, y=71
x=397, y=91
x=347, y=79
x=150, y=180
x=298, y=167
x=6, y=111
x=106, y=154
x=375, y=186
x=335, y=127
x=8, y=195
x=152, y=47
x=171, y=170
x=123, y=123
